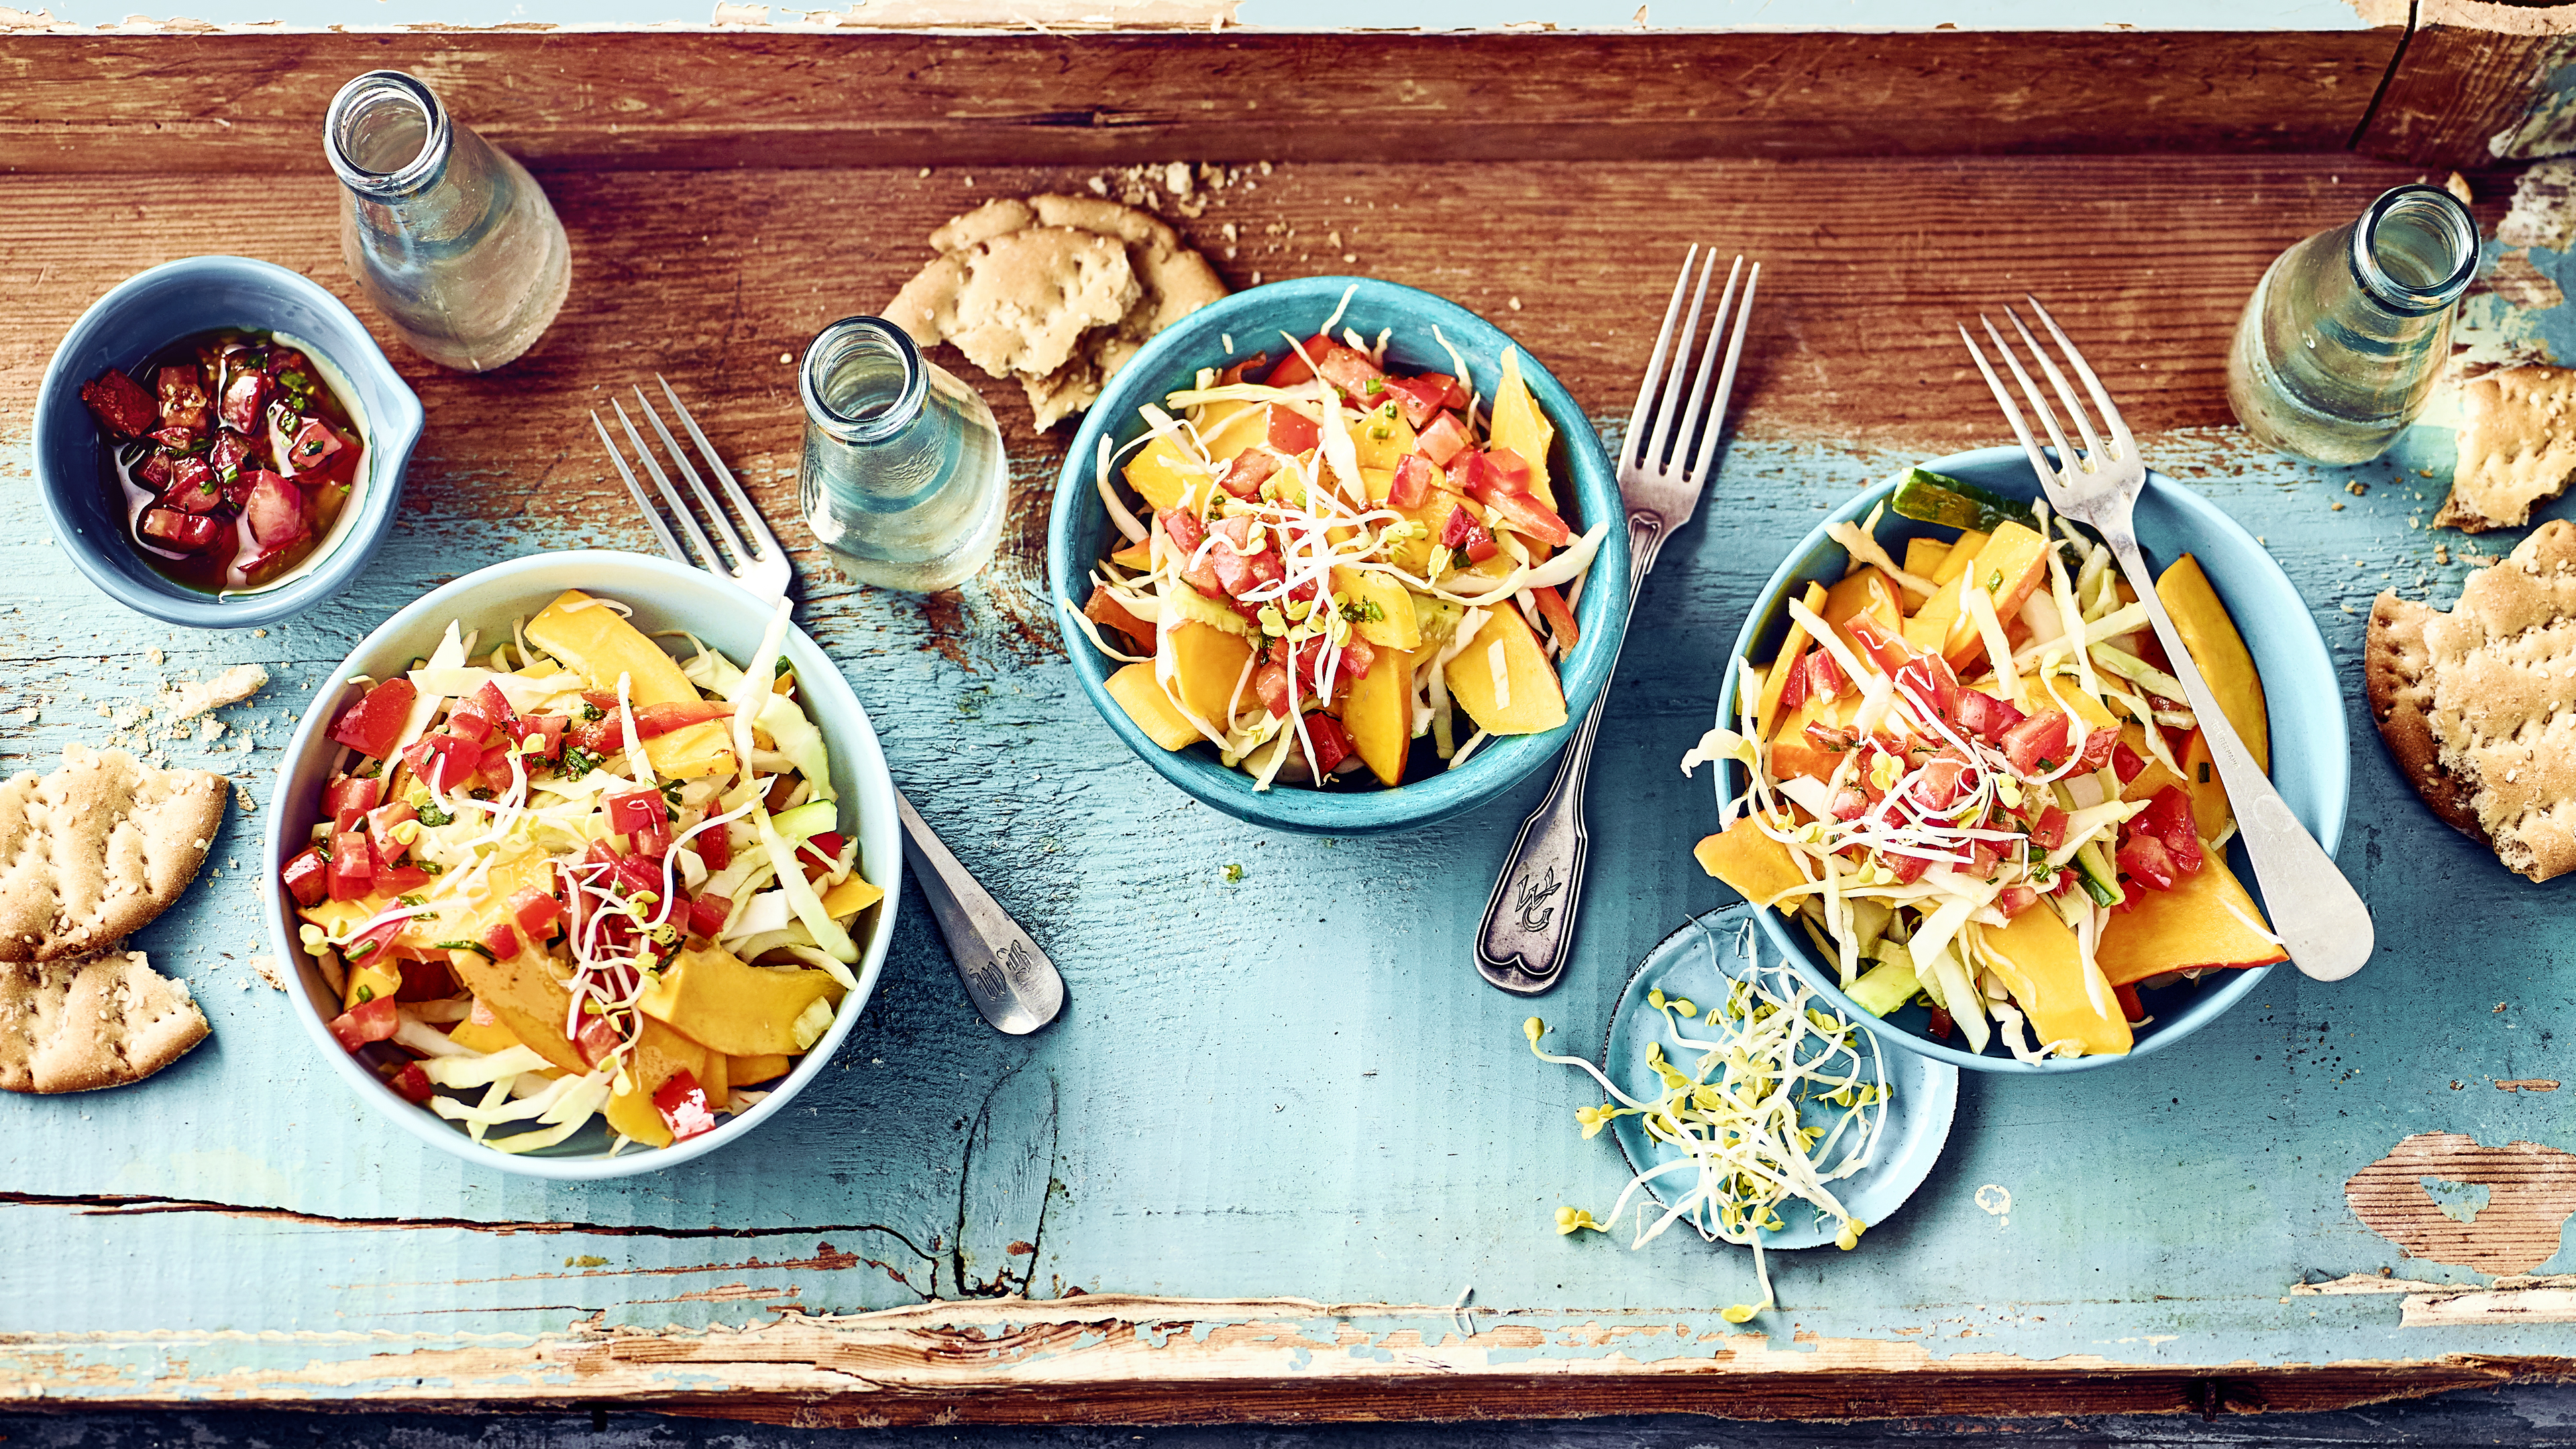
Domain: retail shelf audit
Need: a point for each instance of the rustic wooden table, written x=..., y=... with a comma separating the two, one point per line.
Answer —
x=1249, y=1173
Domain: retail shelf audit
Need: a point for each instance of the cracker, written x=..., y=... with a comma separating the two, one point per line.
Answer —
x=91, y=853
x=1020, y=301
x=98, y=1021
x=2517, y=447
x=195, y=697
x=2478, y=706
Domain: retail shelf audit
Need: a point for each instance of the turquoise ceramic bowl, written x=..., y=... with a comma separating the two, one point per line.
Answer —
x=663, y=595
x=1081, y=533
x=2311, y=751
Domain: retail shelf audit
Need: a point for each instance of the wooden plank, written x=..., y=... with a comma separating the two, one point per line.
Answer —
x=172, y=104
x=2477, y=82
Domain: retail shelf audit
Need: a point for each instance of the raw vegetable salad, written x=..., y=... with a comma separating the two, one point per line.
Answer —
x=1334, y=558
x=574, y=876
x=1972, y=779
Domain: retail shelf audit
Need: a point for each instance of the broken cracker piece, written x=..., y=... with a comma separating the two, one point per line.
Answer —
x=98, y=1021
x=195, y=697
x=2517, y=447
x=95, y=851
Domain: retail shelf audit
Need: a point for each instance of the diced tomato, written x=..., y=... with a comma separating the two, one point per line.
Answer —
x=1940, y=1025
x=305, y=876
x=1937, y=785
x=1457, y=398
x=1987, y=718
x=470, y=722
x=2096, y=750
x=2131, y=1007
x=275, y=511
x=1850, y=805
x=1886, y=652
x=312, y=447
x=501, y=941
x=1793, y=691
x=353, y=865
x=1462, y=533
x=824, y=847
x=652, y=721
x=547, y=730
x=1350, y=369
x=1532, y=519
x=2049, y=831
x=1243, y=369
x=1271, y=683
x=1183, y=527
x=1295, y=368
x=1444, y=440
x=427, y=979
x=444, y=761
x=1929, y=684
x=2168, y=820
x=1907, y=868
x=244, y=393
x=1291, y=431
x=493, y=705
x=638, y=875
x=1243, y=474
x=2037, y=745
x=2125, y=763
x=120, y=403
x=1825, y=678
x=394, y=880
x=2013, y=900
x=1560, y=618
x=1332, y=744
x=536, y=911
x=1103, y=609
x=2145, y=860
x=653, y=841
x=598, y=1037
x=714, y=847
x=349, y=797
x=1982, y=859
x=683, y=1105
x=367, y=1021
x=633, y=810
x=707, y=914
x=1418, y=397
x=380, y=829
x=373, y=724
x=1415, y=477
x=185, y=532
x=411, y=1084
x=183, y=398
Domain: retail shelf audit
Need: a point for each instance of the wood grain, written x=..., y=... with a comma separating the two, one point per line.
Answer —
x=141, y=104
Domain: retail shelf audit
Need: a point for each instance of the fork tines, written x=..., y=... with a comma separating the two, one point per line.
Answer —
x=2121, y=447
x=738, y=560
x=1663, y=427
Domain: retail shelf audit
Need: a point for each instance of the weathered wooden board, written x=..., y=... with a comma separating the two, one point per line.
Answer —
x=255, y=102
x=1283, y=1124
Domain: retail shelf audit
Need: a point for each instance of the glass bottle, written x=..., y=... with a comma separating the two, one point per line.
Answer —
x=903, y=478
x=2346, y=332
x=452, y=240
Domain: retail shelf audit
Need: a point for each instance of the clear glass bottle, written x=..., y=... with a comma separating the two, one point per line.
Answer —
x=2346, y=332
x=903, y=479
x=451, y=239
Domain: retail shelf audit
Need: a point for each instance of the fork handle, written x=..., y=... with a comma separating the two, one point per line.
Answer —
x=1012, y=983
x=1529, y=922
x=2319, y=917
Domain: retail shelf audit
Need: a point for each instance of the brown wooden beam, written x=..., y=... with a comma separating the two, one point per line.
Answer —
x=2472, y=87
x=175, y=104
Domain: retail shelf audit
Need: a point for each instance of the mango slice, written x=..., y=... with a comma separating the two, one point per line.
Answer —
x=1870, y=590
x=1517, y=424
x=2210, y=634
x=752, y=1071
x=852, y=895
x=1163, y=475
x=598, y=643
x=710, y=996
x=2207, y=919
x=1776, y=678
x=485, y=1039
x=1924, y=557
x=1759, y=868
x=2066, y=1000
x=1381, y=439
x=2009, y=565
x=1137, y=692
x=1208, y=663
x=1379, y=714
x=1535, y=701
x=1963, y=552
x=658, y=1055
x=1396, y=628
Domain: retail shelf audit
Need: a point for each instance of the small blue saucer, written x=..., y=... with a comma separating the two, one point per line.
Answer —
x=1695, y=963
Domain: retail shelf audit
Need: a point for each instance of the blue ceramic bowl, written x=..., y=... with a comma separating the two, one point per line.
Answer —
x=664, y=595
x=147, y=312
x=2311, y=752
x=1081, y=533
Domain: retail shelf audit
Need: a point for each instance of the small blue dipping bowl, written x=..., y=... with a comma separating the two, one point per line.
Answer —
x=2311, y=752
x=1081, y=533
x=149, y=311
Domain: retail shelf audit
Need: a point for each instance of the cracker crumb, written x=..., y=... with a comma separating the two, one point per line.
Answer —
x=194, y=698
x=266, y=966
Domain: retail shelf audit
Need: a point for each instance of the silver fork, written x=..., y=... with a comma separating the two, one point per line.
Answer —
x=1529, y=922
x=2319, y=917
x=1012, y=982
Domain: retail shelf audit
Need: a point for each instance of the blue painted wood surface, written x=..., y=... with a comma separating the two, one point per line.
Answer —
x=1290, y=1084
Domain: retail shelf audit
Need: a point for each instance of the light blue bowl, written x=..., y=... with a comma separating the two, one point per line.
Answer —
x=152, y=309
x=1080, y=531
x=664, y=595
x=2311, y=751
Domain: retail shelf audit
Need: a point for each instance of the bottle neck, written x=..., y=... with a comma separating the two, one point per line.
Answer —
x=863, y=382
x=388, y=137
x=2414, y=251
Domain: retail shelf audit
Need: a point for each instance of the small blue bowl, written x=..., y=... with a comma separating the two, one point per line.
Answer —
x=1080, y=530
x=147, y=312
x=2311, y=750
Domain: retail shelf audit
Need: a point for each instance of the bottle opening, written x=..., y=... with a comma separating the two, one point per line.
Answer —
x=386, y=132
x=862, y=380
x=2416, y=249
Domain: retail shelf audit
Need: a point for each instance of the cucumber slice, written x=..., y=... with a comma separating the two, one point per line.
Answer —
x=807, y=820
x=1929, y=497
x=1887, y=985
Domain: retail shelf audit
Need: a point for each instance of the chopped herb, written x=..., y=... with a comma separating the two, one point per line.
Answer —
x=592, y=712
x=671, y=795
x=476, y=947
x=1233, y=874
x=410, y=900
x=433, y=817
x=1995, y=582
x=578, y=762
x=365, y=993
x=480, y=792
x=1371, y=611
x=433, y=867
x=783, y=665
x=295, y=380
x=369, y=769
x=1373, y=386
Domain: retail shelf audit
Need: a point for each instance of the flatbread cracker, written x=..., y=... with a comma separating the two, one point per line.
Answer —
x=91, y=853
x=2478, y=705
x=1020, y=301
x=2517, y=447
x=99, y=1021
